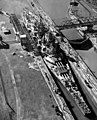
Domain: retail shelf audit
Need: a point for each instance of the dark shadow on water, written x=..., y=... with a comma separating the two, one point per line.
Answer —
x=81, y=44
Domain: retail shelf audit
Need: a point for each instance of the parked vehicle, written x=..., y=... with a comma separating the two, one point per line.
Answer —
x=5, y=30
x=4, y=45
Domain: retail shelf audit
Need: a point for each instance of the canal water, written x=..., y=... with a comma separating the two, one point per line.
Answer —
x=58, y=11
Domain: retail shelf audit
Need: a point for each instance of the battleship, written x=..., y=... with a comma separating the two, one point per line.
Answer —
x=71, y=82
